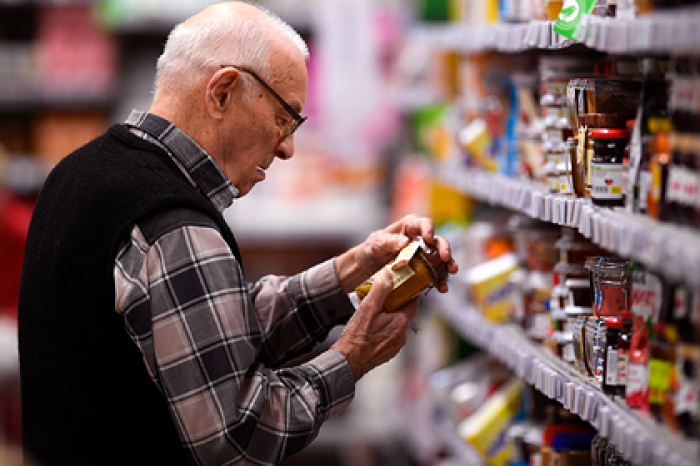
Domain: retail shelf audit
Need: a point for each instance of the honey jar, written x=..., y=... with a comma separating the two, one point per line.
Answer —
x=417, y=267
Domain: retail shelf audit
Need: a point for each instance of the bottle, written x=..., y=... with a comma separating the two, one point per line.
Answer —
x=607, y=170
x=613, y=326
x=416, y=268
x=661, y=367
x=637, y=388
x=687, y=318
x=659, y=148
x=653, y=102
x=623, y=352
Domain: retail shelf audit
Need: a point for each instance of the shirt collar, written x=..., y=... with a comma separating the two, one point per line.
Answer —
x=195, y=162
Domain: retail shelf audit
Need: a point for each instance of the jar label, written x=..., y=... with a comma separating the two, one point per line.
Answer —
x=540, y=325
x=399, y=268
x=606, y=180
x=645, y=182
x=567, y=185
x=623, y=357
x=567, y=352
x=611, y=367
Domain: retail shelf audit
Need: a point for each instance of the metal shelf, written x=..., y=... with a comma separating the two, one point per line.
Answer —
x=660, y=32
x=639, y=439
x=668, y=248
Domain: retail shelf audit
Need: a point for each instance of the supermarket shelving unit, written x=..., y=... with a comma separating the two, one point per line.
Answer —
x=670, y=249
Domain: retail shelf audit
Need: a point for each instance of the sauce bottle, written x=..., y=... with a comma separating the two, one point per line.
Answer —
x=687, y=370
x=416, y=268
x=661, y=367
x=659, y=148
x=623, y=352
x=637, y=388
x=613, y=326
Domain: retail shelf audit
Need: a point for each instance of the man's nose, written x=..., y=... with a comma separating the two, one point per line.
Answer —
x=285, y=148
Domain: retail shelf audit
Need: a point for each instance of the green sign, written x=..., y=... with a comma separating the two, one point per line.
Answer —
x=570, y=22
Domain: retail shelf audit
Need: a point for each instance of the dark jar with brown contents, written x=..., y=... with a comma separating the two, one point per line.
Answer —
x=607, y=170
x=416, y=268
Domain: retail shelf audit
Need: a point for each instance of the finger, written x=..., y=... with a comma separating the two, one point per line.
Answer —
x=381, y=287
x=391, y=243
x=445, y=251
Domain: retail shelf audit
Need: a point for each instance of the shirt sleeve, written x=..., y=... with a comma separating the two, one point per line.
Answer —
x=209, y=341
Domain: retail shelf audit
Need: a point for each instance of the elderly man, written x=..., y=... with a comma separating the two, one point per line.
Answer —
x=140, y=340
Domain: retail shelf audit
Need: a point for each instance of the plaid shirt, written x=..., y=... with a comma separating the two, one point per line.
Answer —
x=211, y=341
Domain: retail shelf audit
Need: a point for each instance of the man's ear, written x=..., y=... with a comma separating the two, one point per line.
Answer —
x=220, y=90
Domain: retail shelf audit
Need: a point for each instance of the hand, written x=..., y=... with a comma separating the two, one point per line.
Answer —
x=372, y=337
x=382, y=246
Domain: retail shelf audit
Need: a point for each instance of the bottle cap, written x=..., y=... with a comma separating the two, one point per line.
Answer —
x=626, y=315
x=610, y=133
x=613, y=322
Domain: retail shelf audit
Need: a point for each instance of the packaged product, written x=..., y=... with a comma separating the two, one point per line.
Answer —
x=490, y=288
x=485, y=430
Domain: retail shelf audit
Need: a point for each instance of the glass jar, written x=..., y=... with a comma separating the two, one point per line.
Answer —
x=611, y=285
x=587, y=160
x=607, y=170
x=576, y=170
x=416, y=268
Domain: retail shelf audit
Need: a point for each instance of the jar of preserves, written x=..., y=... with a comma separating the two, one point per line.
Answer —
x=417, y=267
x=611, y=285
x=607, y=170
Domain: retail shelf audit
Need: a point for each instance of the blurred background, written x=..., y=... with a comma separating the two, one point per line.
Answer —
x=480, y=114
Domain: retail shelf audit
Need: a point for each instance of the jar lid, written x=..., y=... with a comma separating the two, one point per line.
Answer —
x=613, y=322
x=606, y=133
x=437, y=266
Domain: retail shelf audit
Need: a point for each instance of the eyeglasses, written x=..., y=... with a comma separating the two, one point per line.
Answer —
x=297, y=119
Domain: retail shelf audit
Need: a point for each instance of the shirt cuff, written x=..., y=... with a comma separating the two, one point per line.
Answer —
x=335, y=383
x=335, y=306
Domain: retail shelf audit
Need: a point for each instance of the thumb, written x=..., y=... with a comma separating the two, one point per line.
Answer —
x=381, y=287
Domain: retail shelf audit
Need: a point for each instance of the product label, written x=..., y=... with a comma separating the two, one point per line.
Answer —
x=687, y=366
x=659, y=380
x=637, y=385
x=687, y=398
x=611, y=367
x=571, y=22
x=645, y=182
x=567, y=185
x=623, y=357
x=674, y=184
x=540, y=326
x=606, y=181
x=567, y=352
x=646, y=296
x=690, y=187
x=398, y=268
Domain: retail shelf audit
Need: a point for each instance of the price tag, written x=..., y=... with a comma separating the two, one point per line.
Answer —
x=546, y=213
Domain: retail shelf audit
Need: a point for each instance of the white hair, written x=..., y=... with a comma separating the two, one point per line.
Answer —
x=191, y=49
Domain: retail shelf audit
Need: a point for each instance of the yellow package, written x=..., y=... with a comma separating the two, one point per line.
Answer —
x=490, y=288
x=485, y=430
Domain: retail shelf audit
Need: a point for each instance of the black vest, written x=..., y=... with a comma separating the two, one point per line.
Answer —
x=87, y=398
